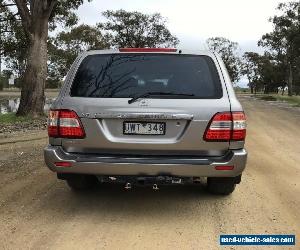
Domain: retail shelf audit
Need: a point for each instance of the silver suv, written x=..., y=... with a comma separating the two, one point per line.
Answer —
x=147, y=115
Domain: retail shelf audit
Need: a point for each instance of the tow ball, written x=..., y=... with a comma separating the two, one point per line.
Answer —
x=155, y=187
x=128, y=186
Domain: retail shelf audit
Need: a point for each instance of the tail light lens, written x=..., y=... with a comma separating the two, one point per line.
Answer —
x=64, y=123
x=226, y=126
x=239, y=126
x=53, y=118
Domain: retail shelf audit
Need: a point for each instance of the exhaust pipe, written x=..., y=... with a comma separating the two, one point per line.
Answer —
x=128, y=186
x=155, y=187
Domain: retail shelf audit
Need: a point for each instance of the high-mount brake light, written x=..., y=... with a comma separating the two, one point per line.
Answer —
x=147, y=50
x=226, y=126
x=65, y=124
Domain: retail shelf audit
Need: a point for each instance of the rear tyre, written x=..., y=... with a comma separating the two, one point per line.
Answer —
x=221, y=185
x=78, y=182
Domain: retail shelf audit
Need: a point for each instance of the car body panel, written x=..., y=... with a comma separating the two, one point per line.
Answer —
x=186, y=121
x=111, y=165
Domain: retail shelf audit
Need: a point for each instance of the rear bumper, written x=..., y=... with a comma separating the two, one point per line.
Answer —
x=154, y=166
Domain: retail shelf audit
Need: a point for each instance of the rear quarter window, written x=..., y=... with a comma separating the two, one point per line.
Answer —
x=128, y=75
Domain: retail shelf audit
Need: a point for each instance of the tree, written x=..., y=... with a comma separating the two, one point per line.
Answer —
x=228, y=51
x=250, y=68
x=37, y=16
x=7, y=21
x=4, y=76
x=14, y=45
x=270, y=73
x=284, y=41
x=137, y=30
x=65, y=46
x=263, y=72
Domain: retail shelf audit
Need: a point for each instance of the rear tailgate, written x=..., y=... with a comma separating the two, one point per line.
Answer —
x=184, y=130
x=107, y=118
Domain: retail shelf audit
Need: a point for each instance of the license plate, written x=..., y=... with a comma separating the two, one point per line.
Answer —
x=144, y=128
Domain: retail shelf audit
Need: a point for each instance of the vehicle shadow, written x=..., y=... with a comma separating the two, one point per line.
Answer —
x=112, y=200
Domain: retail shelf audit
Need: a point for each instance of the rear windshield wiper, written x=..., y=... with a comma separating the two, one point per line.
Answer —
x=147, y=94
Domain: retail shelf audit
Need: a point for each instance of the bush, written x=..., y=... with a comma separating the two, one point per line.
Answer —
x=53, y=83
x=18, y=82
x=296, y=90
x=268, y=98
x=3, y=82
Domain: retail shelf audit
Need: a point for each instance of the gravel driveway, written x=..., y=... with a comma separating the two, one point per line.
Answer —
x=39, y=212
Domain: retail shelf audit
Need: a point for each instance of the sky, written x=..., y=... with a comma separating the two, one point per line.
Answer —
x=193, y=21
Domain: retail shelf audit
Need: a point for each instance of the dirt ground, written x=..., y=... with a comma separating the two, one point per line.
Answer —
x=37, y=211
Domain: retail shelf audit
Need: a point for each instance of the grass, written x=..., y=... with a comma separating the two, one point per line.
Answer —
x=14, y=89
x=15, y=93
x=12, y=118
x=268, y=98
x=239, y=90
x=293, y=100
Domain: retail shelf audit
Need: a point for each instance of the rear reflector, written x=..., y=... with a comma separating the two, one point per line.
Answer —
x=224, y=167
x=64, y=123
x=63, y=164
x=147, y=50
x=226, y=126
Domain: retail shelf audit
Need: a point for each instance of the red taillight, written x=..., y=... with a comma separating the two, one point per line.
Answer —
x=63, y=164
x=224, y=167
x=64, y=123
x=147, y=50
x=226, y=126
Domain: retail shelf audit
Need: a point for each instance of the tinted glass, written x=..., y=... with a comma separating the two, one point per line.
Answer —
x=128, y=75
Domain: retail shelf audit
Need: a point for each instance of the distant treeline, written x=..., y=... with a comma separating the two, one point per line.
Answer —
x=278, y=67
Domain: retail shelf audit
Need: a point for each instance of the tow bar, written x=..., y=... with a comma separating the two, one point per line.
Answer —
x=153, y=181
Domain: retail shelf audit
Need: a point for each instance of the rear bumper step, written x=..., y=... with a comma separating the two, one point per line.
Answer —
x=143, y=166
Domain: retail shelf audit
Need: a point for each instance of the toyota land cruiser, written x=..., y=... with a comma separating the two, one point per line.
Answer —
x=159, y=114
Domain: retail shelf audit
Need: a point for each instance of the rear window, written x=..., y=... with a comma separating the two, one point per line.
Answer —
x=128, y=75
